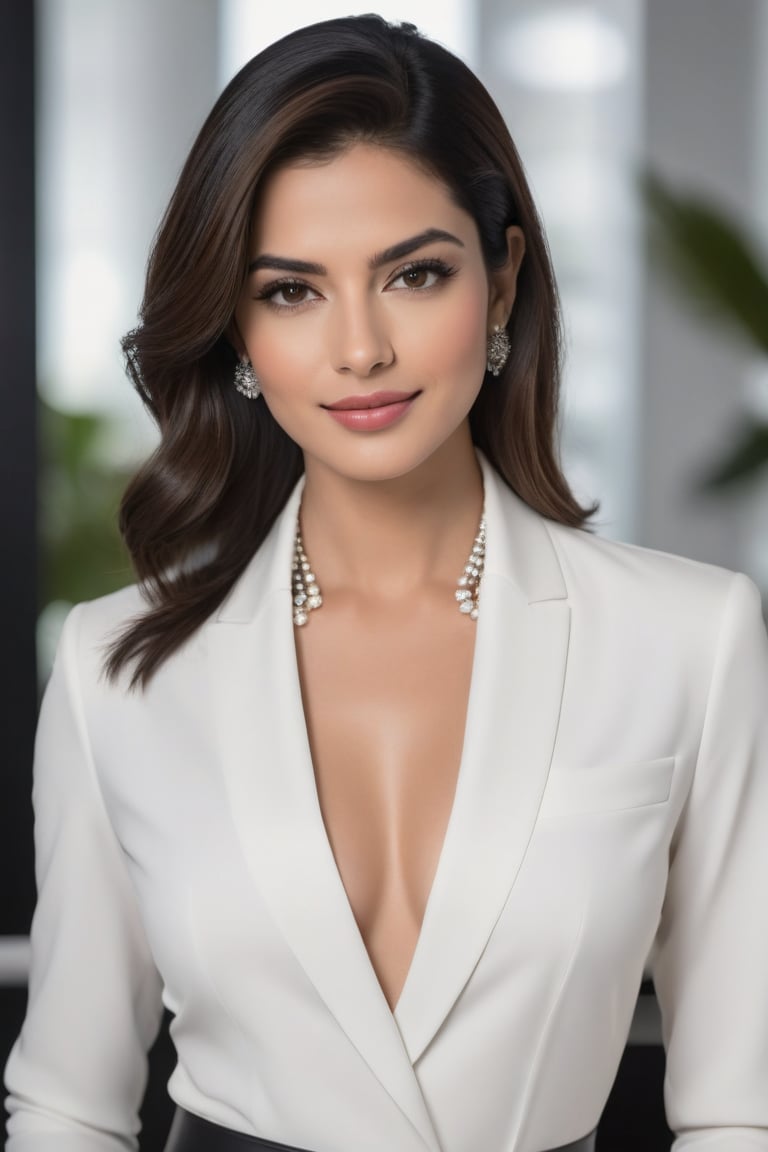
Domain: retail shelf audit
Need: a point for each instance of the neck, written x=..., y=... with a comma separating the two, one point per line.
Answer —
x=386, y=539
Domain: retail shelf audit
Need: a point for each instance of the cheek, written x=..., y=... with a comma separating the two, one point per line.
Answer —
x=278, y=356
x=464, y=342
x=454, y=345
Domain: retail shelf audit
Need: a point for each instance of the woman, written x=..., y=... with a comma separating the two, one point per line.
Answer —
x=391, y=778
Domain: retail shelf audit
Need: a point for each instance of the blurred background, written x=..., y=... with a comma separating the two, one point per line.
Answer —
x=642, y=126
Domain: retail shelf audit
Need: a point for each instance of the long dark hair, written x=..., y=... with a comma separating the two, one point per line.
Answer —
x=224, y=468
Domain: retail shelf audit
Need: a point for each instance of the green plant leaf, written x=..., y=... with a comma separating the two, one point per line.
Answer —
x=83, y=555
x=747, y=456
x=710, y=258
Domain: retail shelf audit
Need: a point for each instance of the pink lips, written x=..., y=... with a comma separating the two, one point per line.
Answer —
x=371, y=412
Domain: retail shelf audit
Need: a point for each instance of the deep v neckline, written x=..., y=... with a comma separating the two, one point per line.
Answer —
x=302, y=726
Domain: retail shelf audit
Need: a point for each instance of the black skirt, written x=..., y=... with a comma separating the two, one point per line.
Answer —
x=193, y=1134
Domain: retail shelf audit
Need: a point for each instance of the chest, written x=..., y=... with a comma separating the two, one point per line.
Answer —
x=386, y=704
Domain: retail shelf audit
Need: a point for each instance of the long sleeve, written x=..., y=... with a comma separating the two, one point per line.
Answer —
x=710, y=964
x=77, y=1072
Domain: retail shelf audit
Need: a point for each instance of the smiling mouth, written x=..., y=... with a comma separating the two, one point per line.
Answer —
x=374, y=400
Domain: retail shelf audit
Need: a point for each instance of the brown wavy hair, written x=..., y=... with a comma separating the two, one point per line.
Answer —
x=203, y=503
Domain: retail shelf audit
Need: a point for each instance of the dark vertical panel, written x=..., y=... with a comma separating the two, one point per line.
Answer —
x=18, y=560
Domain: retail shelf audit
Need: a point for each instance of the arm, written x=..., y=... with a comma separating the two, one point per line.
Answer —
x=710, y=965
x=77, y=1072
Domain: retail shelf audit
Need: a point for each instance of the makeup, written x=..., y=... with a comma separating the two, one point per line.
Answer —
x=372, y=412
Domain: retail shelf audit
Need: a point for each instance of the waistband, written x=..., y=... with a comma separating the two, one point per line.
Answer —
x=193, y=1134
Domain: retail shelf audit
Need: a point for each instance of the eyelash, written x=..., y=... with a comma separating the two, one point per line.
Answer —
x=442, y=270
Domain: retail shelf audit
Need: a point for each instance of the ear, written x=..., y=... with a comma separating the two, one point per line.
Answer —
x=503, y=280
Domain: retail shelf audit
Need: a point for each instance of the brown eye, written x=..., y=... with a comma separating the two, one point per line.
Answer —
x=416, y=277
x=421, y=276
x=294, y=293
x=287, y=294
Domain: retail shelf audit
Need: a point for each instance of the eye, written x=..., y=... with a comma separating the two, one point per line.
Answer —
x=287, y=294
x=422, y=275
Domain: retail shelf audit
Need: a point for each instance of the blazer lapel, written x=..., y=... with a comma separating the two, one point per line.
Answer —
x=517, y=683
x=267, y=765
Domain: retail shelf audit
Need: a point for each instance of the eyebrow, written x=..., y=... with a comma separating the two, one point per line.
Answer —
x=387, y=256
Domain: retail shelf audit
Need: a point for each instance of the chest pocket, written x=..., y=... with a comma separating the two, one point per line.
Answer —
x=609, y=786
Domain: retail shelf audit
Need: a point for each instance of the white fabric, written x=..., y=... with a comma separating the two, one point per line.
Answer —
x=612, y=796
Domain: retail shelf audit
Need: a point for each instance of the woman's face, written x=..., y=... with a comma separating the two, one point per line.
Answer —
x=366, y=311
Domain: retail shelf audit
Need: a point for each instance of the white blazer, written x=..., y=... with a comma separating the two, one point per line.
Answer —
x=612, y=802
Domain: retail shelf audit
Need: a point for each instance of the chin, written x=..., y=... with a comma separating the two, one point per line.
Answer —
x=378, y=469
x=379, y=459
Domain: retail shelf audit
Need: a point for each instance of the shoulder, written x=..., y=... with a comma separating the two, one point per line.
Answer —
x=550, y=561
x=89, y=630
x=645, y=600
x=670, y=626
x=98, y=622
x=609, y=568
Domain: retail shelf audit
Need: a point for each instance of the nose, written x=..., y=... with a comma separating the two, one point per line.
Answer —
x=361, y=343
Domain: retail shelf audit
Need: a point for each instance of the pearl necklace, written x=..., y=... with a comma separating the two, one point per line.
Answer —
x=307, y=596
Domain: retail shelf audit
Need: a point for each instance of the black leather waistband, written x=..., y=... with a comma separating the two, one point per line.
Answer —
x=193, y=1134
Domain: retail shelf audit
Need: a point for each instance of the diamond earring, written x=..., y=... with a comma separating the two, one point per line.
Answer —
x=246, y=380
x=498, y=350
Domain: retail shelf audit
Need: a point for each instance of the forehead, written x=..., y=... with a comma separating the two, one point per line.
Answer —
x=365, y=196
